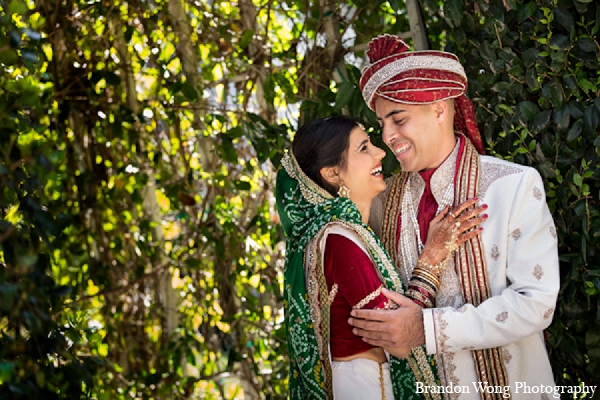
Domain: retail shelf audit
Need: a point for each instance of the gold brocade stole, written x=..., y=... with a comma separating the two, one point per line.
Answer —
x=469, y=259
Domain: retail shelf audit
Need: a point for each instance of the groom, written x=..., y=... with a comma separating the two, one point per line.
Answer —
x=499, y=292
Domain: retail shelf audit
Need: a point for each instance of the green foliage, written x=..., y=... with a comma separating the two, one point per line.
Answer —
x=140, y=252
x=534, y=76
x=39, y=354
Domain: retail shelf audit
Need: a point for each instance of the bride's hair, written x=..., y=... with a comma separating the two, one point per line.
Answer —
x=321, y=143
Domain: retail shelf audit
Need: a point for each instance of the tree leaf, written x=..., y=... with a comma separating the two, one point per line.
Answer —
x=576, y=109
x=269, y=89
x=112, y=78
x=128, y=33
x=562, y=117
x=246, y=38
x=527, y=11
x=235, y=132
x=570, y=82
x=500, y=86
x=564, y=17
x=9, y=57
x=242, y=185
x=227, y=149
x=8, y=293
x=553, y=91
x=189, y=92
x=6, y=370
x=15, y=38
x=530, y=56
x=453, y=9
x=575, y=131
x=541, y=120
x=343, y=95
x=587, y=45
x=562, y=42
x=528, y=109
x=531, y=78
x=590, y=119
x=29, y=98
x=17, y=7
x=394, y=4
x=577, y=179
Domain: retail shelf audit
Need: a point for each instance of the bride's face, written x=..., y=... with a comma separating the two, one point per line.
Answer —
x=363, y=174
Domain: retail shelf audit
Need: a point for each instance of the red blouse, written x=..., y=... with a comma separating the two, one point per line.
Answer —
x=349, y=268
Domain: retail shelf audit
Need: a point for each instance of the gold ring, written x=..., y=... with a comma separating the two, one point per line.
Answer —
x=452, y=215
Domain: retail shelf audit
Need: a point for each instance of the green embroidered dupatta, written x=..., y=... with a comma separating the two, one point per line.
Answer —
x=306, y=211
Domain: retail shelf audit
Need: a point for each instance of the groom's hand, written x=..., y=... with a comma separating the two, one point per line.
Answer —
x=399, y=328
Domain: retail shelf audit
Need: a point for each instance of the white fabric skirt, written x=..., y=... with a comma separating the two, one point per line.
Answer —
x=359, y=379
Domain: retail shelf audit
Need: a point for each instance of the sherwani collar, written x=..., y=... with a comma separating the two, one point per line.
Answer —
x=440, y=180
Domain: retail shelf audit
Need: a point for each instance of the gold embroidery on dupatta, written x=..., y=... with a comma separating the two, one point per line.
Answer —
x=417, y=359
x=316, y=290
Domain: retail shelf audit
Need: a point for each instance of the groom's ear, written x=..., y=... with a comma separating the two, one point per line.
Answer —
x=331, y=175
x=441, y=110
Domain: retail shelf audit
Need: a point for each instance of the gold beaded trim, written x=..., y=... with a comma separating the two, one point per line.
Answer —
x=312, y=192
x=370, y=297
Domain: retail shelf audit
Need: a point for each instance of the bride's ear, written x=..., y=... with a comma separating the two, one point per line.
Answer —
x=331, y=175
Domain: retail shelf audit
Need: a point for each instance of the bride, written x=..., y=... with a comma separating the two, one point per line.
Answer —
x=335, y=263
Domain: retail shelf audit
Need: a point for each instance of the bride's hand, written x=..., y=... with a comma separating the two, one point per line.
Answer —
x=464, y=219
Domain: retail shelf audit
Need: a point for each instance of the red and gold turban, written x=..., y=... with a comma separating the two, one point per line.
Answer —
x=418, y=77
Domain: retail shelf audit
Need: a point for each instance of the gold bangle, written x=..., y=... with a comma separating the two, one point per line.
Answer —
x=427, y=275
x=420, y=276
x=425, y=287
x=416, y=295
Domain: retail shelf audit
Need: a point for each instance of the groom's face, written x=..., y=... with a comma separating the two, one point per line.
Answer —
x=412, y=133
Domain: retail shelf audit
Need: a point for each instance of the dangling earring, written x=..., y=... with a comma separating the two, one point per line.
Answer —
x=343, y=191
